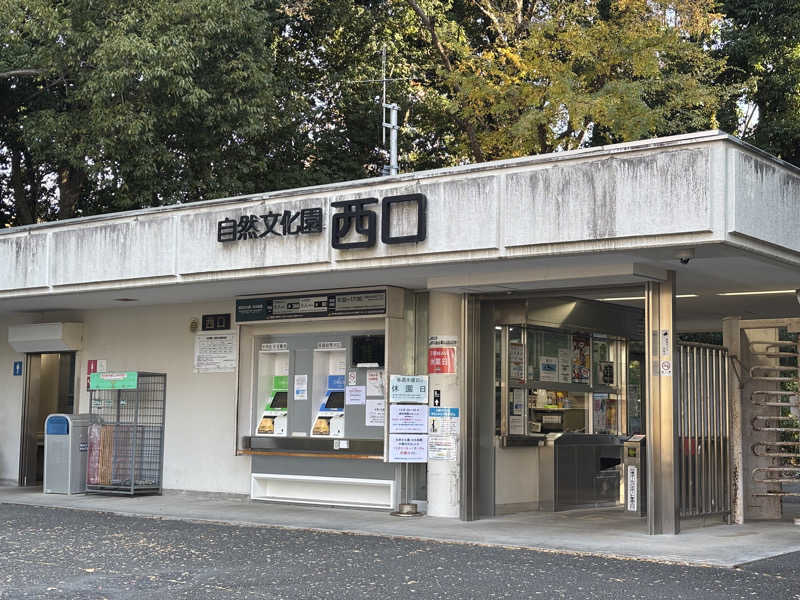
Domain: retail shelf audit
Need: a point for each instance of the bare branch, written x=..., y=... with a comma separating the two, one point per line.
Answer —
x=486, y=10
x=427, y=22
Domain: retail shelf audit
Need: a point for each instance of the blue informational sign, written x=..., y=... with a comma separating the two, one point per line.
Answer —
x=17, y=368
x=443, y=413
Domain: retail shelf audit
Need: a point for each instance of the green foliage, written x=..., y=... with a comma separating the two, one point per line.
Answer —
x=761, y=41
x=113, y=105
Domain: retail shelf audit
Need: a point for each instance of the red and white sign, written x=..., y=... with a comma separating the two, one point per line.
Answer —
x=442, y=359
x=94, y=366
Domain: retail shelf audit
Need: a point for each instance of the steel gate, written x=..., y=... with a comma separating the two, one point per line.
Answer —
x=703, y=431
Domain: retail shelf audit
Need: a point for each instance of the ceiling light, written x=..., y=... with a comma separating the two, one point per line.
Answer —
x=687, y=296
x=766, y=292
x=622, y=298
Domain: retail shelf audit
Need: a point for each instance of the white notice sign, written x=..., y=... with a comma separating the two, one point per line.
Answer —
x=376, y=412
x=408, y=448
x=355, y=394
x=375, y=383
x=408, y=388
x=408, y=418
x=632, y=490
x=215, y=352
x=442, y=447
x=301, y=387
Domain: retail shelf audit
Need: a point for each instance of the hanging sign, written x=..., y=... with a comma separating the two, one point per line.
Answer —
x=114, y=381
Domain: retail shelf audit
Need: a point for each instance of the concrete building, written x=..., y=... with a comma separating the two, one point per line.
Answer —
x=542, y=297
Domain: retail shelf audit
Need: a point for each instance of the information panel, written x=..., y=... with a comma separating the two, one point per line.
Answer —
x=309, y=306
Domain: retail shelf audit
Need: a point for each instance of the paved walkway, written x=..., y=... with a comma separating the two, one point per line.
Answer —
x=604, y=533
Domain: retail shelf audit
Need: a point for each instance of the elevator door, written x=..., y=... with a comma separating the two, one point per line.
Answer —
x=49, y=388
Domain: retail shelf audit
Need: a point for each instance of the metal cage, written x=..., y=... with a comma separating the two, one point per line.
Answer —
x=126, y=446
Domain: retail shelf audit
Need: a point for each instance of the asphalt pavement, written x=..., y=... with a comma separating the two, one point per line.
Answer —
x=67, y=554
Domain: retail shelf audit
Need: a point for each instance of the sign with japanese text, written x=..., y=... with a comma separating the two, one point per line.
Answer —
x=354, y=224
x=408, y=418
x=408, y=388
x=408, y=448
x=311, y=306
x=114, y=381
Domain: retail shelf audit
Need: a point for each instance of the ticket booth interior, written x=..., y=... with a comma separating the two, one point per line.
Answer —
x=562, y=393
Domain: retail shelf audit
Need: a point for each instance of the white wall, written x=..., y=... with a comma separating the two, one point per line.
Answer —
x=199, y=430
x=11, y=394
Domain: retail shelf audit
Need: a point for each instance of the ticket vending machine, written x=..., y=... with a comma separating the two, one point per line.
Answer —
x=273, y=384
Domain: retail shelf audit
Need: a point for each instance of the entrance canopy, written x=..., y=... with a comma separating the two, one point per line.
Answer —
x=720, y=213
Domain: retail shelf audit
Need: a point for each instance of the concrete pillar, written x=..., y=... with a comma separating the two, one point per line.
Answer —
x=662, y=403
x=444, y=319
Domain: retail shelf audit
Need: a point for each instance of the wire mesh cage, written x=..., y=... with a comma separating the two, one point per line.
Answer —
x=126, y=446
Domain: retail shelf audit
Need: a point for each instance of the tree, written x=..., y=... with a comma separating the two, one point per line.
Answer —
x=528, y=76
x=134, y=104
x=761, y=41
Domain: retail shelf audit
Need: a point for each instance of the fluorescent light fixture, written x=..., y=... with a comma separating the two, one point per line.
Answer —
x=631, y=298
x=763, y=293
x=622, y=298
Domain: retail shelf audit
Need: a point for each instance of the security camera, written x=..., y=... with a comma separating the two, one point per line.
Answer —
x=685, y=256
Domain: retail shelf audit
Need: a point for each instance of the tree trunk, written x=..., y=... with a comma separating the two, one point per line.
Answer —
x=70, y=185
x=24, y=203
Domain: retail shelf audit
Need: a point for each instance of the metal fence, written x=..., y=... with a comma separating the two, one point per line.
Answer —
x=126, y=448
x=703, y=430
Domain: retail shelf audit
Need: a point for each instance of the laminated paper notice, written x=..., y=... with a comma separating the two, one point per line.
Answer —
x=215, y=352
x=442, y=447
x=355, y=394
x=375, y=383
x=301, y=387
x=375, y=415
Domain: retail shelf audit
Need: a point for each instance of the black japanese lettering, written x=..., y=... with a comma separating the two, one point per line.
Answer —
x=270, y=222
x=247, y=228
x=226, y=230
x=354, y=212
x=286, y=223
x=311, y=220
x=386, y=219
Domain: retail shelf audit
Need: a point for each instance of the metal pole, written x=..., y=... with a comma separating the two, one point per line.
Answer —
x=394, y=168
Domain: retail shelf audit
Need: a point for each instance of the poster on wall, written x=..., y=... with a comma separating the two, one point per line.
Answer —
x=375, y=383
x=408, y=448
x=408, y=418
x=516, y=362
x=565, y=365
x=442, y=354
x=375, y=415
x=581, y=359
x=215, y=353
x=548, y=368
x=301, y=387
x=442, y=447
